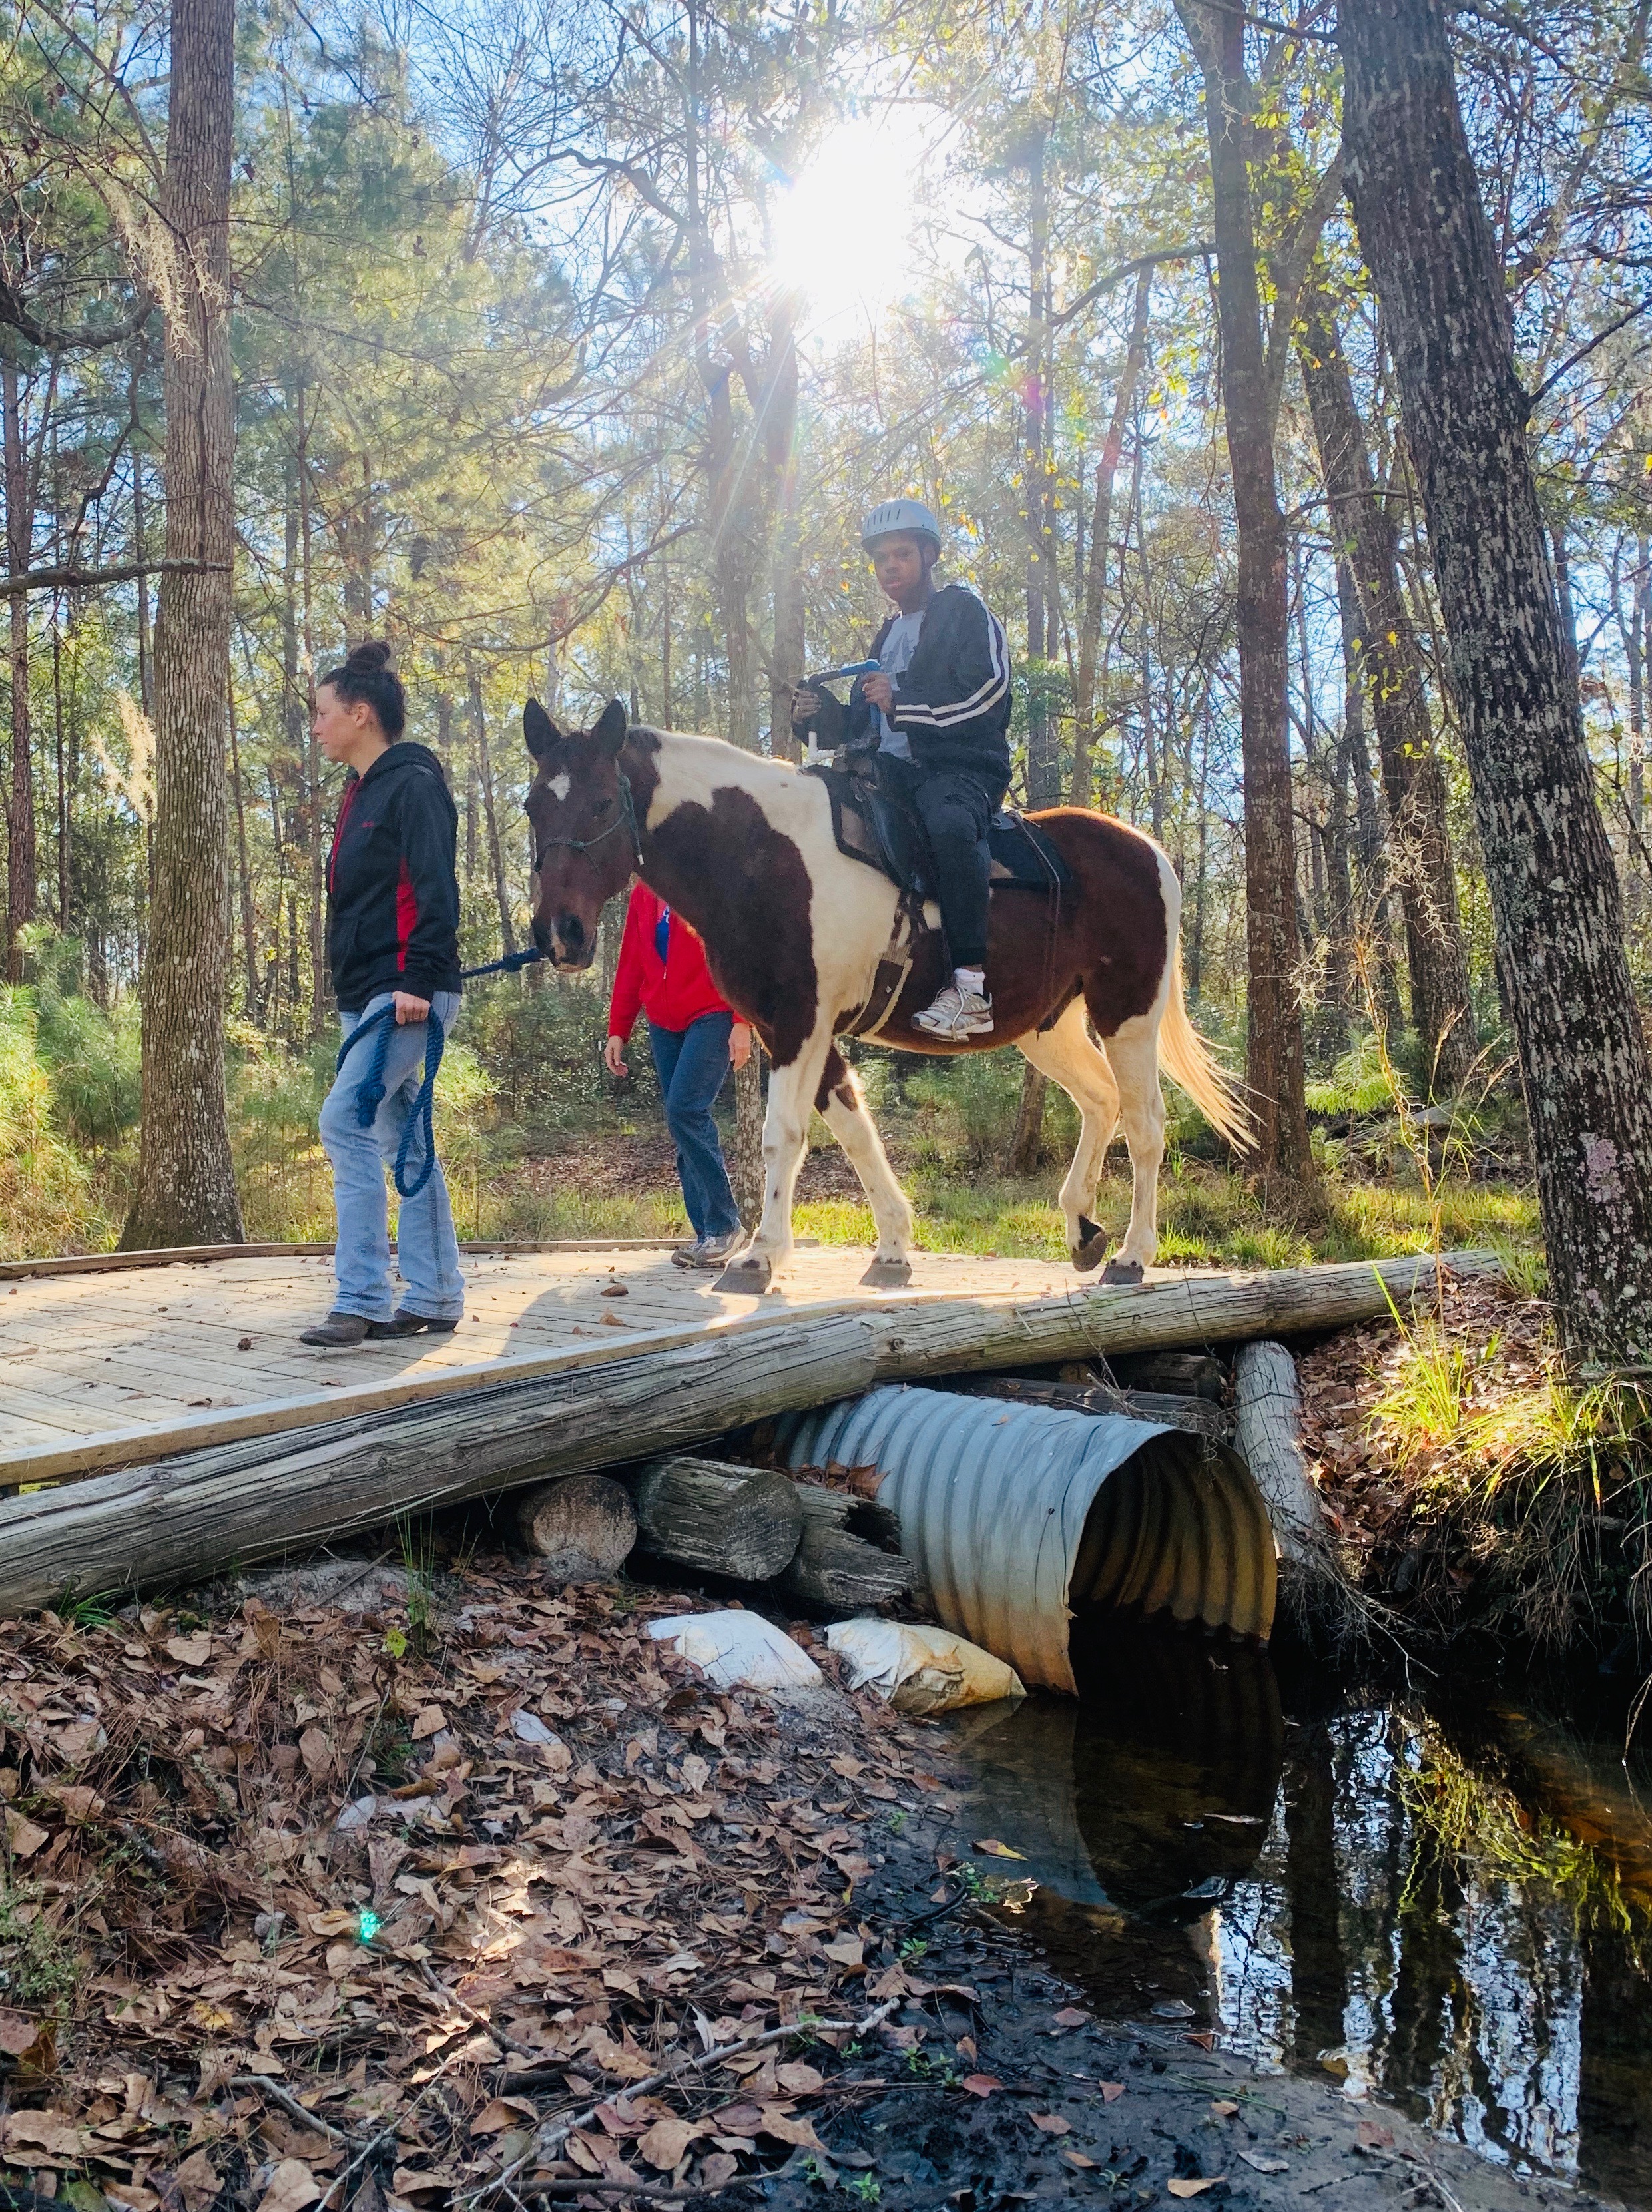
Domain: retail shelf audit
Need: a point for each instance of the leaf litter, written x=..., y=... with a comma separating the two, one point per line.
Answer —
x=315, y=1909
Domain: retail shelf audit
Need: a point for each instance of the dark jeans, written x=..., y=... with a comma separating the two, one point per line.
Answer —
x=954, y=809
x=692, y=1064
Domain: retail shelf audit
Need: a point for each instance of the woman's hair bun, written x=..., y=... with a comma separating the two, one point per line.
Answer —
x=367, y=677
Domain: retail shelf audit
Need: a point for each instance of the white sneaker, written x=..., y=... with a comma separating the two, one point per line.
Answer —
x=956, y=1012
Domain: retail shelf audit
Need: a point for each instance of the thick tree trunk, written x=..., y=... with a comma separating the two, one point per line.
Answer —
x=1027, y=1140
x=185, y=1185
x=1274, y=1056
x=1085, y=732
x=1555, y=897
x=1412, y=776
x=20, y=887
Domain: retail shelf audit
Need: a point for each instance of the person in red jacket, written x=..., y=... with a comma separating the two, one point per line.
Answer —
x=694, y=1039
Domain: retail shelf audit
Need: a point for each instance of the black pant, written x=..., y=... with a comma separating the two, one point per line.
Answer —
x=954, y=809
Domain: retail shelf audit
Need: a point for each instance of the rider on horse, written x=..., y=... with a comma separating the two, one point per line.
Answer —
x=937, y=713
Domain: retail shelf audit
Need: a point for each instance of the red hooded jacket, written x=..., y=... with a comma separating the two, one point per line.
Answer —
x=672, y=993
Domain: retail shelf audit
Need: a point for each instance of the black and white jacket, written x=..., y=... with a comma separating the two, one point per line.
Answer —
x=952, y=704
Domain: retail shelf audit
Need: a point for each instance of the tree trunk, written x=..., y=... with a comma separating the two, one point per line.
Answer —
x=583, y=1527
x=721, y=1519
x=1274, y=1055
x=249, y=930
x=20, y=888
x=1100, y=534
x=185, y=1184
x=1554, y=898
x=1043, y=762
x=746, y=1168
x=1027, y=1140
x=1411, y=778
x=495, y=849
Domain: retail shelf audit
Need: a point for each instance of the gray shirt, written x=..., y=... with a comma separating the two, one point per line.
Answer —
x=893, y=657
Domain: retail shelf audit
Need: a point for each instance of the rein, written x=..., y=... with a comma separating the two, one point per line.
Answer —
x=370, y=1091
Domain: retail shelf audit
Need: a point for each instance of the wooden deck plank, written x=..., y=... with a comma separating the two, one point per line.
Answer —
x=93, y=1373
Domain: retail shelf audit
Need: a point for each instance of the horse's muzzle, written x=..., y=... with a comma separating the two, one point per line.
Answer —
x=569, y=944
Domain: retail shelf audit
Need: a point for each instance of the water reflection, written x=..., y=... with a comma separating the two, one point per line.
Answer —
x=1446, y=1912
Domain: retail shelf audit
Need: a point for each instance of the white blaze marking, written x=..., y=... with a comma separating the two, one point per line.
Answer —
x=560, y=785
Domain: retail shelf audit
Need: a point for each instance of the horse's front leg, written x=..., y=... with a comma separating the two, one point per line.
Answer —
x=785, y=1131
x=840, y=1100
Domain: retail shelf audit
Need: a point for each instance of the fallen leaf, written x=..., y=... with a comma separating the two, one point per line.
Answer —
x=617, y=1291
x=1224, y=2107
x=192, y=1652
x=528, y=1728
x=316, y=1745
x=17, y=2032
x=1194, y=2188
x=431, y=1721
x=1370, y=2134
x=995, y=1849
x=1077, y=2158
x=799, y=2080
x=666, y=2141
x=785, y=2128
x=291, y=2186
x=1111, y=2091
x=1203, y=2036
x=24, y=1837
x=966, y=2048
x=1051, y=2124
x=503, y=2113
x=719, y=2170
x=1266, y=2165
x=844, y=1950
x=980, y=2085
x=1070, y=2016
x=198, y=2181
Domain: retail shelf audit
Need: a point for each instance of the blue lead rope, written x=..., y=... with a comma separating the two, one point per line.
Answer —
x=370, y=1091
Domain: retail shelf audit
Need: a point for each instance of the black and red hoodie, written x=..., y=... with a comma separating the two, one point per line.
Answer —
x=392, y=884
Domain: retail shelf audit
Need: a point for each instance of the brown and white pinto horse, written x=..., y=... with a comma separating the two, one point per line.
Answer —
x=743, y=849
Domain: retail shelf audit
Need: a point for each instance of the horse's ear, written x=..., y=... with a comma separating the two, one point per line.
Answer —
x=610, y=731
x=538, y=729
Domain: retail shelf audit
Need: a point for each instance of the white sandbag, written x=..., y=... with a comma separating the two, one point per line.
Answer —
x=739, y=1651
x=919, y=1669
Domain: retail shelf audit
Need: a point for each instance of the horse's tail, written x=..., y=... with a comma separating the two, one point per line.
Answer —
x=1187, y=1058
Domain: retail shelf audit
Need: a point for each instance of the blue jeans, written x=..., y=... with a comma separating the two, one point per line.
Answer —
x=692, y=1064
x=427, y=1251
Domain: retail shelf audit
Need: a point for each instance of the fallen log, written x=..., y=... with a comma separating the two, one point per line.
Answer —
x=1174, y=1412
x=836, y=1573
x=1314, y=1586
x=716, y=1518
x=583, y=1526
x=181, y=1519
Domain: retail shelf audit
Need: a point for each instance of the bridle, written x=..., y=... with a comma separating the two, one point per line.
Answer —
x=625, y=819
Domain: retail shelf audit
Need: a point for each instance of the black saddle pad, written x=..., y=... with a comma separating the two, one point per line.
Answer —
x=869, y=826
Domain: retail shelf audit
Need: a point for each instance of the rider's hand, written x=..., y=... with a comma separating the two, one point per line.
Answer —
x=806, y=705
x=739, y=1046
x=878, y=691
x=409, y=1009
x=613, y=1056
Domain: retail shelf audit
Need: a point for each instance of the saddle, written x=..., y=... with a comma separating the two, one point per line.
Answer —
x=871, y=825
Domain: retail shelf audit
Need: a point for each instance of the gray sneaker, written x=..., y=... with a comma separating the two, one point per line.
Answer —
x=688, y=1255
x=956, y=1013
x=718, y=1251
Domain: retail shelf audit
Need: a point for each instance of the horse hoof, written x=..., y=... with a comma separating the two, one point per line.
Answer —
x=887, y=1275
x=1092, y=1244
x=747, y=1278
x=1127, y=1273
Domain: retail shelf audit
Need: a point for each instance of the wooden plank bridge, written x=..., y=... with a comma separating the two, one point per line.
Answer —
x=115, y=1360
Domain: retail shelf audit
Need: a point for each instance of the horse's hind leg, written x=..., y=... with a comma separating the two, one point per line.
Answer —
x=840, y=1100
x=1133, y=1055
x=1068, y=1055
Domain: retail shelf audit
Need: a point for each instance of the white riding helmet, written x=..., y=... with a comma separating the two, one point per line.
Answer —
x=898, y=516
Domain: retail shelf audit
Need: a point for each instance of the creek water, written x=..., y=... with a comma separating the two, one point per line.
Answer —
x=1438, y=1894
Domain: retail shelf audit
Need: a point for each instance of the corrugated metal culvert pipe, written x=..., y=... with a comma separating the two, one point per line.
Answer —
x=1017, y=1517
